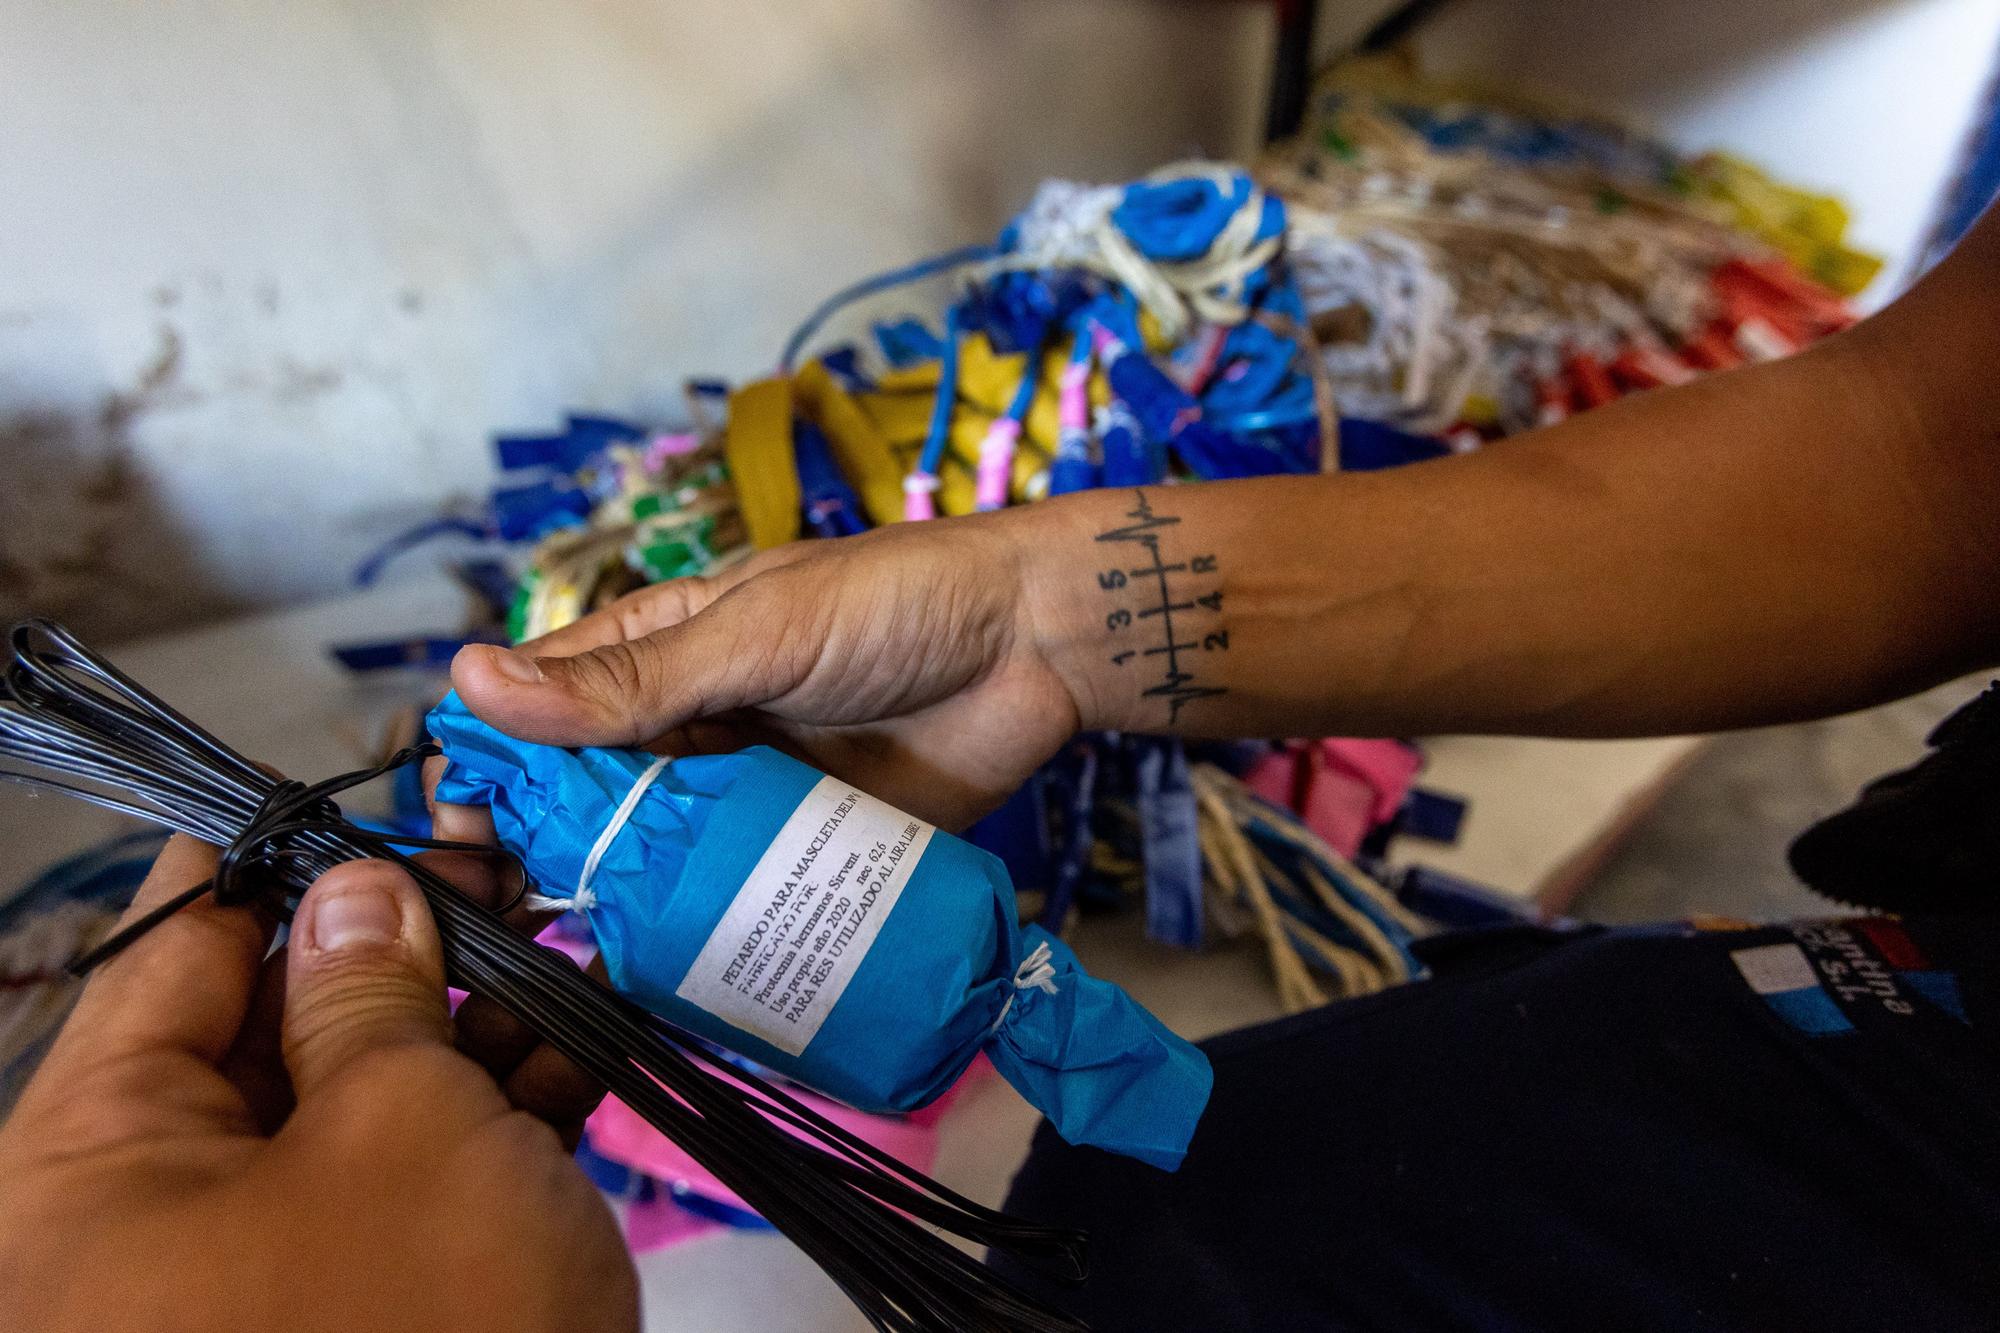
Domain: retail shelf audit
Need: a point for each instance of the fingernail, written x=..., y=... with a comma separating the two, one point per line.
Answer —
x=362, y=913
x=517, y=667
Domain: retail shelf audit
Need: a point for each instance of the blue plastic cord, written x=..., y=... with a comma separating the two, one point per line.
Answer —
x=371, y=567
x=1244, y=423
x=1179, y=220
x=947, y=398
x=1080, y=347
x=881, y=282
x=1072, y=470
x=1024, y=394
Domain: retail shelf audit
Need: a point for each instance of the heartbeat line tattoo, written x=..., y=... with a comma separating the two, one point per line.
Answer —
x=1151, y=594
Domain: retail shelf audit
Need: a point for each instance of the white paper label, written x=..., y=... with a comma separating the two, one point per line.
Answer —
x=1773, y=969
x=805, y=918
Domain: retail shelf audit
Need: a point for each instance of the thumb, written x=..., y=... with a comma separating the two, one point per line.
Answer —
x=364, y=973
x=748, y=647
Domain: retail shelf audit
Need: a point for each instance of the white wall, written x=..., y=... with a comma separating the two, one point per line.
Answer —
x=1867, y=99
x=273, y=272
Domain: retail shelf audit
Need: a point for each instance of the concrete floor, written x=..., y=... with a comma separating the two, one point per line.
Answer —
x=1716, y=842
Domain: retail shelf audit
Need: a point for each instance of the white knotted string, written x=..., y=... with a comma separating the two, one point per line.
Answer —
x=1209, y=287
x=1037, y=972
x=585, y=898
x=1421, y=354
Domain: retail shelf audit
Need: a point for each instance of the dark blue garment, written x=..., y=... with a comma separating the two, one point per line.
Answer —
x=1926, y=839
x=1630, y=1130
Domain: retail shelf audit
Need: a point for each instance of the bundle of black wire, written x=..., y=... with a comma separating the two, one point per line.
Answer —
x=861, y=1215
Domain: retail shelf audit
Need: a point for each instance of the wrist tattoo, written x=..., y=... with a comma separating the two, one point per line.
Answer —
x=1165, y=617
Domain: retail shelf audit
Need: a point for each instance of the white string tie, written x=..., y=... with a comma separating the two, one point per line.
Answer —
x=585, y=898
x=1036, y=972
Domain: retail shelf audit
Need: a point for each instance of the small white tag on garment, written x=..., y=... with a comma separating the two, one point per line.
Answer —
x=1772, y=969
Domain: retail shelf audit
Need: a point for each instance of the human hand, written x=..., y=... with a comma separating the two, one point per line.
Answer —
x=912, y=661
x=220, y=1141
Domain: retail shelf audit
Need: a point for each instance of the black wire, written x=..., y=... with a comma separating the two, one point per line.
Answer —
x=118, y=942
x=287, y=809
x=877, y=1227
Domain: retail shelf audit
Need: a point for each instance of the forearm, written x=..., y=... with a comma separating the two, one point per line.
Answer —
x=1764, y=545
